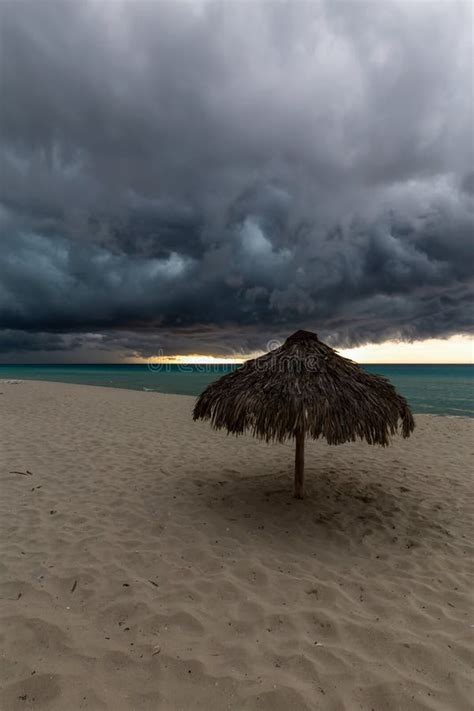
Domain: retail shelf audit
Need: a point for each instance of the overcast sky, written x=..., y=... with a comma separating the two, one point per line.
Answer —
x=203, y=177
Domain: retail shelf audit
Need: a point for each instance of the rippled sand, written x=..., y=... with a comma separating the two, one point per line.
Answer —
x=148, y=563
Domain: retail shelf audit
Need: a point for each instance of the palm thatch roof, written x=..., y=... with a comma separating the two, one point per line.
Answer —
x=305, y=387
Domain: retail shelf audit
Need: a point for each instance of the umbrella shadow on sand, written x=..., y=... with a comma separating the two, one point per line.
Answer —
x=339, y=506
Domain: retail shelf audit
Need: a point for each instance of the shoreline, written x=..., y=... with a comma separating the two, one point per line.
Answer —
x=8, y=381
x=150, y=563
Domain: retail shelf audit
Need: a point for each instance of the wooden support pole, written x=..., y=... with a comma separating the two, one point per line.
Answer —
x=299, y=466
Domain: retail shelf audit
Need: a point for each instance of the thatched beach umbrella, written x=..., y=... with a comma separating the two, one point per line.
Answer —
x=305, y=389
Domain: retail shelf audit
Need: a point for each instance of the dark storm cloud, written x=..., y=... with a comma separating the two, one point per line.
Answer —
x=184, y=175
x=21, y=341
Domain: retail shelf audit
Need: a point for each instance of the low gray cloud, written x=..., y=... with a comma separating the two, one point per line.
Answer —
x=196, y=176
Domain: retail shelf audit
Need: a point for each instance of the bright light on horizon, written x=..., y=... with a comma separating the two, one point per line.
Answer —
x=194, y=358
x=457, y=349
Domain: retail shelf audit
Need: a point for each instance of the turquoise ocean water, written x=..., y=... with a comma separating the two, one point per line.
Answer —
x=435, y=389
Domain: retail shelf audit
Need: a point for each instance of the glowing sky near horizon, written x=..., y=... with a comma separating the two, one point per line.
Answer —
x=457, y=349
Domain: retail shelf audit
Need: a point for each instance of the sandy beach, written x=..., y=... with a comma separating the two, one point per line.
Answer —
x=150, y=563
